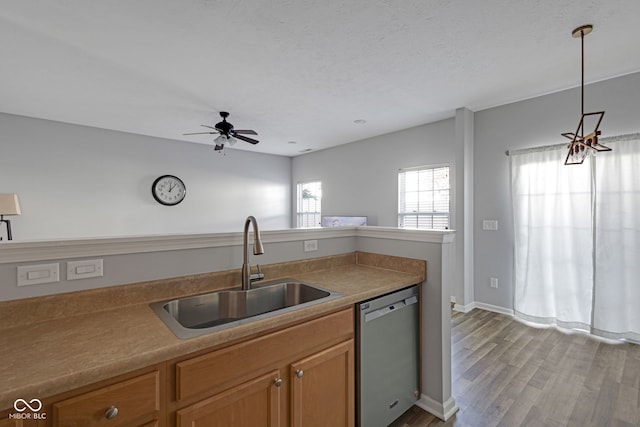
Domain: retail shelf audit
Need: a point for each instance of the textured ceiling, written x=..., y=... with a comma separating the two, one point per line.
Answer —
x=297, y=70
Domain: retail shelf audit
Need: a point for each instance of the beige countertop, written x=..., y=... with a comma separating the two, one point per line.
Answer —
x=53, y=354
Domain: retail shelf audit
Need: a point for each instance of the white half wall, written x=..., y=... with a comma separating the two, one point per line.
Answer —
x=436, y=395
x=140, y=259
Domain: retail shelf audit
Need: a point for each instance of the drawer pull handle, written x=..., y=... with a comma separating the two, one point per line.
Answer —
x=299, y=373
x=111, y=413
x=277, y=382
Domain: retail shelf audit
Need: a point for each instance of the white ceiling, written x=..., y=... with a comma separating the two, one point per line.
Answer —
x=298, y=70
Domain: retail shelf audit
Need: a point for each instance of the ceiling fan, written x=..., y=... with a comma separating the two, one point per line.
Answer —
x=228, y=134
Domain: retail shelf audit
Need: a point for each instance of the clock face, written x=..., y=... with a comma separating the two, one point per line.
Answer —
x=168, y=190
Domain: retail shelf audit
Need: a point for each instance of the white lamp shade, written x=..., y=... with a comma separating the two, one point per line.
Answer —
x=9, y=204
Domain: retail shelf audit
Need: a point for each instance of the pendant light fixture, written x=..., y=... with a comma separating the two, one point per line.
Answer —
x=582, y=145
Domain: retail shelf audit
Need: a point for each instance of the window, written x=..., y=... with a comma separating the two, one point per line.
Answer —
x=423, y=198
x=309, y=200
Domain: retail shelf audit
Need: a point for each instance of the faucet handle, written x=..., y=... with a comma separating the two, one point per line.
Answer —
x=256, y=276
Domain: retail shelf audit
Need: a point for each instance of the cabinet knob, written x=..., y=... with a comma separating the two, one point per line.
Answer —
x=111, y=413
x=277, y=382
x=299, y=373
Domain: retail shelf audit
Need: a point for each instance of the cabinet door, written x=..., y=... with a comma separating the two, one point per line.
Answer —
x=255, y=403
x=323, y=388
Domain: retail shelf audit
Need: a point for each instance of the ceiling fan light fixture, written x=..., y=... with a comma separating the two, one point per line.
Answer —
x=227, y=134
x=583, y=145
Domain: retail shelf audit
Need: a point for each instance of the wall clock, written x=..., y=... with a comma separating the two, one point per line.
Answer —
x=168, y=190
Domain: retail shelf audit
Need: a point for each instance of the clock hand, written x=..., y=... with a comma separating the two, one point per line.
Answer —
x=171, y=187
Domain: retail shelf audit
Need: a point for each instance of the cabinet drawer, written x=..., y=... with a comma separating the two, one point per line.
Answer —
x=134, y=399
x=221, y=369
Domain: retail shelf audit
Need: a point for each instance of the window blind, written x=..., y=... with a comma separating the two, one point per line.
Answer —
x=309, y=204
x=424, y=198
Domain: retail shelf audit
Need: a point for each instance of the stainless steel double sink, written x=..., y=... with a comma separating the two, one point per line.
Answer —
x=202, y=314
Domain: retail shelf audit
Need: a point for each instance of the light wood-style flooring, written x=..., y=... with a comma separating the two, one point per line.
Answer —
x=505, y=373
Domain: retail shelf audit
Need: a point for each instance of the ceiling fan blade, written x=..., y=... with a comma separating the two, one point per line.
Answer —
x=200, y=133
x=210, y=127
x=246, y=131
x=246, y=139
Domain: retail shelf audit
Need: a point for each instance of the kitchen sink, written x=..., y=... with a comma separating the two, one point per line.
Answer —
x=201, y=314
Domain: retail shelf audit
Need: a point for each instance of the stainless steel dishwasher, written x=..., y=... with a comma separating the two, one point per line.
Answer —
x=387, y=351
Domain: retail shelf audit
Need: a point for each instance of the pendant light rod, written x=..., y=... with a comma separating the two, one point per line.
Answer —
x=581, y=32
x=582, y=82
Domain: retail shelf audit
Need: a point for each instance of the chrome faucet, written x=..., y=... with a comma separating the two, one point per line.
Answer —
x=247, y=277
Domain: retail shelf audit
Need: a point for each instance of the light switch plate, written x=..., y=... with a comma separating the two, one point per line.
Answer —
x=490, y=224
x=84, y=269
x=38, y=274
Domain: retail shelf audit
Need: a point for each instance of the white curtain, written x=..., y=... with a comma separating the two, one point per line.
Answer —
x=577, y=239
x=617, y=235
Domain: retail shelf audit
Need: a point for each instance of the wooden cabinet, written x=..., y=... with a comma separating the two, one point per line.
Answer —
x=302, y=375
x=322, y=388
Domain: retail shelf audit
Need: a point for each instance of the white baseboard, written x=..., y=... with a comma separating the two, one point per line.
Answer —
x=483, y=306
x=444, y=411
x=494, y=308
x=464, y=308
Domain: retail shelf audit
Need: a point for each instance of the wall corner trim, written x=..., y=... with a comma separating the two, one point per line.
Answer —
x=444, y=410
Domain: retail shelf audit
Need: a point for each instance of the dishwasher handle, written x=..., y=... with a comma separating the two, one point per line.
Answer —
x=391, y=308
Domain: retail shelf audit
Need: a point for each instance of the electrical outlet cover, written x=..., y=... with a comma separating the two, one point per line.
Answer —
x=310, y=245
x=38, y=274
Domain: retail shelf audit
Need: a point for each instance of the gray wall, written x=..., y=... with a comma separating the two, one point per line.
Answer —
x=361, y=178
x=78, y=181
x=531, y=123
x=45, y=163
